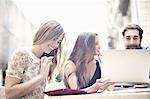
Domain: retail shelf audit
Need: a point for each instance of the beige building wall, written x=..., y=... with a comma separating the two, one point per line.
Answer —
x=138, y=13
x=141, y=16
x=15, y=30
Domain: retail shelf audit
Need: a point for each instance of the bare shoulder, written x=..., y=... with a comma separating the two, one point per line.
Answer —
x=70, y=66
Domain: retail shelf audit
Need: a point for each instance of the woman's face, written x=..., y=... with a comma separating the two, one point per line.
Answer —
x=52, y=44
x=97, y=46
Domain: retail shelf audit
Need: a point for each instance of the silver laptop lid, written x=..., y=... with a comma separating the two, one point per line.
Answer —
x=126, y=66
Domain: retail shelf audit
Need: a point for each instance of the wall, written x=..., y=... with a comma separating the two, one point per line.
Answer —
x=15, y=30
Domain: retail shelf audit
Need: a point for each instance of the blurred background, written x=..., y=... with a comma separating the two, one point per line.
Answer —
x=19, y=20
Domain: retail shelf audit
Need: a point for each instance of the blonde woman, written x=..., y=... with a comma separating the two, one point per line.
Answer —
x=27, y=72
x=82, y=71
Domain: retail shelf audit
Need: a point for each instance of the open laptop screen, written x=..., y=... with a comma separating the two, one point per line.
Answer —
x=126, y=66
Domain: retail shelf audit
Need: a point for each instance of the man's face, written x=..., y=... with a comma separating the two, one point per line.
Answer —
x=132, y=39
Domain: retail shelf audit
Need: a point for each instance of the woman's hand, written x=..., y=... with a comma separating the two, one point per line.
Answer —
x=46, y=63
x=99, y=85
x=102, y=85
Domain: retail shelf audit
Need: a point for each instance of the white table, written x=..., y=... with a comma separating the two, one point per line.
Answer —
x=130, y=94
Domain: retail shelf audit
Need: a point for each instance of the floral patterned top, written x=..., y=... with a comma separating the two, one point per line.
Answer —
x=25, y=65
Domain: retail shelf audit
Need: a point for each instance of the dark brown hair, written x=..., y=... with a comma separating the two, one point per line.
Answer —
x=133, y=27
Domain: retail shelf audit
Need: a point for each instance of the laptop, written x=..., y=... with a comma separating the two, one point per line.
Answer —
x=126, y=66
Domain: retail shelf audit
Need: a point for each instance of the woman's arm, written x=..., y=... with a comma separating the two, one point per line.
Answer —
x=98, y=85
x=70, y=75
x=73, y=83
x=15, y=89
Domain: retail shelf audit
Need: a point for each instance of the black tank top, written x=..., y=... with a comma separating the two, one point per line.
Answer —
x=97, y=74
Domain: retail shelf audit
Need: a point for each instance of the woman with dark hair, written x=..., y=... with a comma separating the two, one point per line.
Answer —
x=82, y=70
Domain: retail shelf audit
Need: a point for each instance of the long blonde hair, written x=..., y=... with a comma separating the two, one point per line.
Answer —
x=48, y=31
x=51, y=30
x=83, y=52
